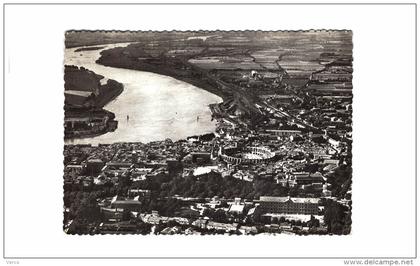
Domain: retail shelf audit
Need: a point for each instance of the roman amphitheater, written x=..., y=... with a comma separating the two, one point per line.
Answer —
x=246, y=155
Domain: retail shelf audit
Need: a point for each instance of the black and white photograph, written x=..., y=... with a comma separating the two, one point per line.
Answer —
x=211, y=132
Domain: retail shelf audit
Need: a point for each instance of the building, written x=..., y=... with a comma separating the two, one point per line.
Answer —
x=334, y=143
x=222, y=226
x=301, y=179
x=144, y=193
x=153, y=218
x=129, y=204
x=305, y=178
x=284, y=132
x=248, y=230
x=200, y=223
x=112, y=214
x=117, y=165
x=289, y=205
x=74, y=169
x=246, y=155
x=237, y=206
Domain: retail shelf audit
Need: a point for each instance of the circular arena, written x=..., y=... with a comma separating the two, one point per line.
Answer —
x=246, y=155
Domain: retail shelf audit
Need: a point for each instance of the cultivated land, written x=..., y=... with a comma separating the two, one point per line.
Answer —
x=244, y=66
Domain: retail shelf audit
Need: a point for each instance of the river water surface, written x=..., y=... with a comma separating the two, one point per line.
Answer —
x=158, y=106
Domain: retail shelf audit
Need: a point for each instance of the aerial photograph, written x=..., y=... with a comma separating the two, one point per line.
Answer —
x=207, y=132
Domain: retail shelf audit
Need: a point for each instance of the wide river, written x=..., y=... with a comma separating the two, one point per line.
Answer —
x=158, y=106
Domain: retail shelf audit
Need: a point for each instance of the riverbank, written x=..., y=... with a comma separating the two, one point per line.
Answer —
x=80, y=123
x=84, y=80
x=86, y=94
x=90, y=48
x=176, y=68
x=108, y=92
